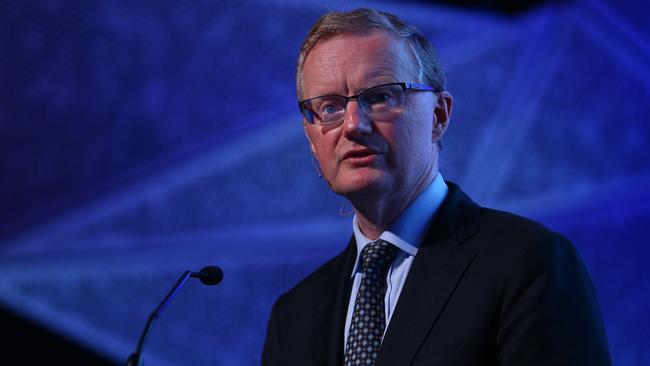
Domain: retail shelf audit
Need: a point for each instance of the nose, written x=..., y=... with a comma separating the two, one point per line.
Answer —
x=355, y=120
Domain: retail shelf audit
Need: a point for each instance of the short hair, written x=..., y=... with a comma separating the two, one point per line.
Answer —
x=364, y=20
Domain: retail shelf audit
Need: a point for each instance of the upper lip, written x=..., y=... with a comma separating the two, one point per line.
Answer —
x=358, y=153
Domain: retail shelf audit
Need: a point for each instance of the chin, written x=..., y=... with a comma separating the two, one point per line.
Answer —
x=362, y=183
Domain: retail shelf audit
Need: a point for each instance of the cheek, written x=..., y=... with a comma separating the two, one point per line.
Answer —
x=318, y=141
x=326, y=151
x=411, y=141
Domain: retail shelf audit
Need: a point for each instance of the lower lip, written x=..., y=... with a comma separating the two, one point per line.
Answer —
x=362, y=160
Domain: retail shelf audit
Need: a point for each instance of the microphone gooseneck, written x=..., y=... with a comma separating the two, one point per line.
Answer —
x=210, y=275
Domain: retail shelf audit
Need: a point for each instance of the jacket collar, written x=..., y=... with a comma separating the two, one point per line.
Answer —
x=438, y=267
x=329, y=315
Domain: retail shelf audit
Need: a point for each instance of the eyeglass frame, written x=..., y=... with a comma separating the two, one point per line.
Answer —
x=405, y=86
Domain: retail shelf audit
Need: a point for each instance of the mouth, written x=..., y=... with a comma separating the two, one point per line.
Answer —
x=360, y=156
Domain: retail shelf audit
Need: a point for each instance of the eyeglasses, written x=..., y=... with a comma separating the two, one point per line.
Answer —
x=330, y=109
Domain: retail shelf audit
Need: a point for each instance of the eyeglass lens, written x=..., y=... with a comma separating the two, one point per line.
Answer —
x=376, y=100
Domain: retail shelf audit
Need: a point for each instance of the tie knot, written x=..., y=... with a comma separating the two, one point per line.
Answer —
x=378, y=255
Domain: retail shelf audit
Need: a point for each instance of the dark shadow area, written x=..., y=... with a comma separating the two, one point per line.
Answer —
x=25, y=343
x=510, y=7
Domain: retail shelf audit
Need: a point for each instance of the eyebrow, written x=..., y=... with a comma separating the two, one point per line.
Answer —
x=375, y=82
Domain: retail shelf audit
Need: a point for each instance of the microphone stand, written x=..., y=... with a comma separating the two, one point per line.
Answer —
x=135, y=359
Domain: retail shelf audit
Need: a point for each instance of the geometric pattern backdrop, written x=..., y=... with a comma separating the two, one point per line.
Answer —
x=139, y=140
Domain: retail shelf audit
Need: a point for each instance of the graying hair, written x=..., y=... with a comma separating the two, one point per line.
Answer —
x=363, y=20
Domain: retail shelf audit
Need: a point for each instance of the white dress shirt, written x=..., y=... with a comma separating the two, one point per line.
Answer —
x=406, y=233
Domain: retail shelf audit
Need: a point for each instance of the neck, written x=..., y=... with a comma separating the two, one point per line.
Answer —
x=376, y=214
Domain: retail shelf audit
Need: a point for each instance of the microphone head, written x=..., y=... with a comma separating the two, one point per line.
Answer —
x=211, y=275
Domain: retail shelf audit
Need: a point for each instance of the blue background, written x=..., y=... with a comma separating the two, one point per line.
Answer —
x=141, y=139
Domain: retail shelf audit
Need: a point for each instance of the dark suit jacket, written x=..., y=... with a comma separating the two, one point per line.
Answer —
x=486, y=288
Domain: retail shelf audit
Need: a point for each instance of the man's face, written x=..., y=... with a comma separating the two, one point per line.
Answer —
x=363, y=157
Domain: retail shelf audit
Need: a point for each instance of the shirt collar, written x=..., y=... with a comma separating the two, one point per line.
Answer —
x=409, y=228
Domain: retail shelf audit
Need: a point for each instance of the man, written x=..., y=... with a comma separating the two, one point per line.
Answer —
x=429, y=277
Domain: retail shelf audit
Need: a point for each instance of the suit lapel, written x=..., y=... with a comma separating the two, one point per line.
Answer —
x=331, y=310
x=438, y=267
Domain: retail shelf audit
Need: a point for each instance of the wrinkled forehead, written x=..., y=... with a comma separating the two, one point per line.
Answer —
x=373, y=51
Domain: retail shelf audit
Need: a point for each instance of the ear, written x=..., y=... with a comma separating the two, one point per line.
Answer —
x=441, y=115
x=311, y=143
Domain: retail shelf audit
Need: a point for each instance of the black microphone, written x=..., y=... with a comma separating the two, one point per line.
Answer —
x=210, y=275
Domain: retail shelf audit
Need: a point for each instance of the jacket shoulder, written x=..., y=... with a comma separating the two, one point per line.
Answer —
x=513, y=244
x=514, y=230
x=312, y=287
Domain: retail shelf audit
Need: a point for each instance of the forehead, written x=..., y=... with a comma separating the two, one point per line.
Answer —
x=355, y=61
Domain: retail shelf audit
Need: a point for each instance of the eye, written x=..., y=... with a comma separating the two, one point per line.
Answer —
x=378, y=96
x=382, y=96
x=330, y=109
